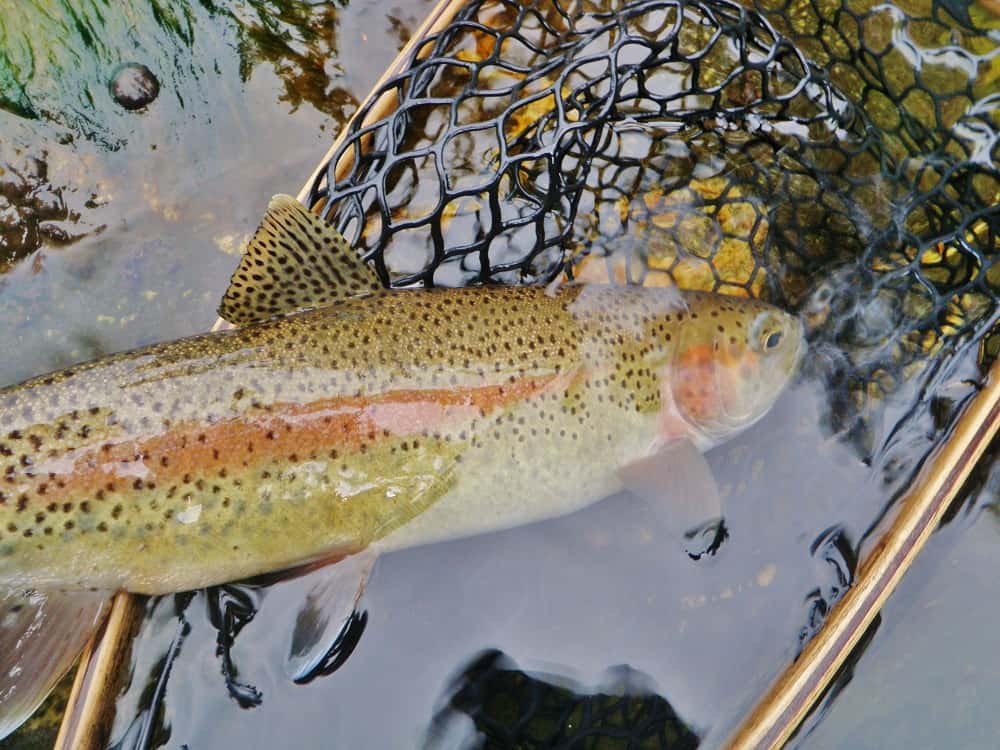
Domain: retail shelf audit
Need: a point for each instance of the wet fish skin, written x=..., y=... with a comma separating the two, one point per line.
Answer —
x=392, y=419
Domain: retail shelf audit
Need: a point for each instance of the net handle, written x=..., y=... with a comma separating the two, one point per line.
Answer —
x=778, y=714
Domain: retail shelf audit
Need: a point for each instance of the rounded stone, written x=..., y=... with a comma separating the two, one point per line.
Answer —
x=133, y=85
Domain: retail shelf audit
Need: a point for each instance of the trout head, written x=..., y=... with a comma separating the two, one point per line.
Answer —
x=733, y=359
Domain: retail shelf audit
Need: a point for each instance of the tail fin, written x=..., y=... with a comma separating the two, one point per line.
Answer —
x=41, y=634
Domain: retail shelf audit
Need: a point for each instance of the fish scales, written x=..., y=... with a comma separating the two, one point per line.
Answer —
x=230, y=454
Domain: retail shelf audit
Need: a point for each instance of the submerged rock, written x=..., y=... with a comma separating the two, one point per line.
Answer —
x=35, y=210
x=133, y=86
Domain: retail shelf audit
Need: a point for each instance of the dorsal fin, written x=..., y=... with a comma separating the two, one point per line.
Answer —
x=295, y=260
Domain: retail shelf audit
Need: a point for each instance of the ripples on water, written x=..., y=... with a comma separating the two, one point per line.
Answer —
x=121, y=227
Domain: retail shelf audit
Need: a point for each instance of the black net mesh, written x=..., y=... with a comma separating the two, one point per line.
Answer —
x=836, y=157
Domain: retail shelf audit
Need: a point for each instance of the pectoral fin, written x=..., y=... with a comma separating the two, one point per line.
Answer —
x=295, y=260
x=41, y=635
x=677, y=483
x=328, y=624
x=316, y=607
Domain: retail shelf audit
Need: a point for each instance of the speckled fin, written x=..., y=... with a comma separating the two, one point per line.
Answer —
x=295, y=260
x=41, y=635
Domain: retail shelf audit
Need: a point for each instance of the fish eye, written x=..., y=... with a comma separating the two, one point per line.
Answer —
x=766, y=334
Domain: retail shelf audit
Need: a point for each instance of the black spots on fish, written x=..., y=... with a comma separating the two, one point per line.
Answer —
x=116, y=512
x=294, y=260
x=69, y=525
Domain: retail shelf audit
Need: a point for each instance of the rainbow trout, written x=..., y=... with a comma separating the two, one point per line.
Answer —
x=377, y=419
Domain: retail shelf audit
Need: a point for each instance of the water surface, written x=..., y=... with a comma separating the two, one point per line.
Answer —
x=134, y=220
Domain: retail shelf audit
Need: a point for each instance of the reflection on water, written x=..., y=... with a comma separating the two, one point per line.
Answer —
x=61, y=60
x=120, y=227
x=155, y=203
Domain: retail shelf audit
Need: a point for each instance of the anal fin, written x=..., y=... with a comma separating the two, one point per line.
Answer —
x=294, y=261
x=41, y=635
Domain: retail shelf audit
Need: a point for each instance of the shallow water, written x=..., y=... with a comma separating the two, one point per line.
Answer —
x=175, y=188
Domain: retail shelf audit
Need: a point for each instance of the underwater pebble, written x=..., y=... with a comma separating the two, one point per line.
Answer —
x=133, y=86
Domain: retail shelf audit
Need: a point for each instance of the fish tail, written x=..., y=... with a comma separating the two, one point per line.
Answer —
x=41, y=635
